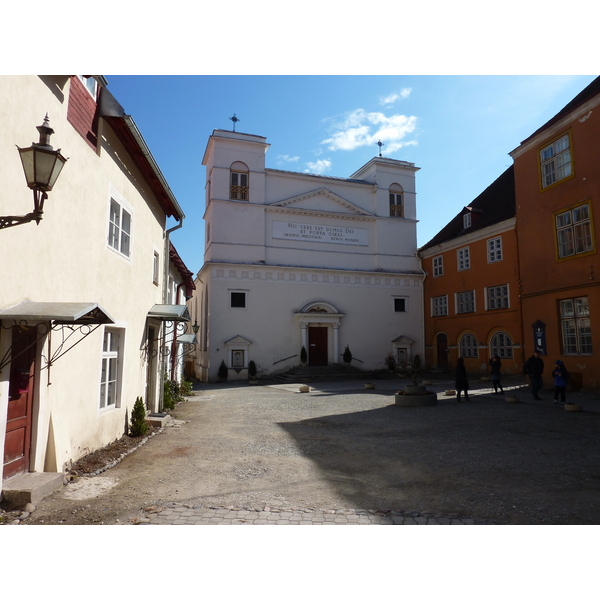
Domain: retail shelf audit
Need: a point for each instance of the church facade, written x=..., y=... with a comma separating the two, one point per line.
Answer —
x=299, y=261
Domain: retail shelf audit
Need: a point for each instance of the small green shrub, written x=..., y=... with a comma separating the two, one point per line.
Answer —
x=138, y=419
x=252, y=369
x=185, y=389
x=303, y=355
x=171, y=394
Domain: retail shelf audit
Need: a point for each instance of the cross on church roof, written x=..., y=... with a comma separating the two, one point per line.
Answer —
x=234, y=119
x=380, y=143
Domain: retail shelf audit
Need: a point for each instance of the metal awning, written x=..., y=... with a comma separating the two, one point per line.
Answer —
x=170, y=312
x=66, y=313
x=188, y=338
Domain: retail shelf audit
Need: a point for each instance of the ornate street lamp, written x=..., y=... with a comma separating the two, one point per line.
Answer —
x=42, y=166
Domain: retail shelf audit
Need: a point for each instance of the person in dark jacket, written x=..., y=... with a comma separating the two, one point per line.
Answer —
x=462, y=383
x=534, y=367
x=495, y=364
x=561, y=377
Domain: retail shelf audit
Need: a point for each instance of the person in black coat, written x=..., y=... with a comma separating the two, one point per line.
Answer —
x=462, y=383
x=534, y=367
x=495, y=364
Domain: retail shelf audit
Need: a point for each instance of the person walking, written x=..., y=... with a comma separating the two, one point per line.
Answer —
x=561, y=376
x=462, y=383
x=495, y=364
x=534, y=367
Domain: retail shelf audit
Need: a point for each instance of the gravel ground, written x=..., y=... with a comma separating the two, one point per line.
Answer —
x=342, y=446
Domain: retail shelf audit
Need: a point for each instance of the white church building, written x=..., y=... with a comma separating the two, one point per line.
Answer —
x=297, y=260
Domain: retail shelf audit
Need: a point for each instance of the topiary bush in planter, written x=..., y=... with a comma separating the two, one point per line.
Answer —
x=223, y=373
x=252, y=370
x=303, y=355
x=138, y=425
x=347, y=356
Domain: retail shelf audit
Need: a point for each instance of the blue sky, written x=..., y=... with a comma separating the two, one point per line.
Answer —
x=457, y=129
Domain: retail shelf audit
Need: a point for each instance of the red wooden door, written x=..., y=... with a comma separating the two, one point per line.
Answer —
x=317, y=346
x=20, y=401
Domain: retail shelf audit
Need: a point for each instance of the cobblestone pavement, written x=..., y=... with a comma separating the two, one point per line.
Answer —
x=182, y=514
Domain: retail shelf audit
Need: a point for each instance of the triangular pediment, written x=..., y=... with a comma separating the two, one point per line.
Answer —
x=323, y=200
x=238, y=340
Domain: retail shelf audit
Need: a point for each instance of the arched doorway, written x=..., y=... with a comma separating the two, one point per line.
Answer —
x=319, y=324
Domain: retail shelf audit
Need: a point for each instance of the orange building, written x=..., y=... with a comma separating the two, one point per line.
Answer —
x=557, y=182
x=471, y=290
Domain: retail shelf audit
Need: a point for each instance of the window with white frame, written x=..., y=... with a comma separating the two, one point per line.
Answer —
x=575, y=326
x=119, y=228
x=109, y=378
x=467, y=220
x=494, y=249
x=468, y=346
x=465, y=302
x=501, y=345
x=438, y=266
x=497, y=297
x=90, y=83
x=574, y=231
x=555, y=161
x=463, y=258
x=439, y=306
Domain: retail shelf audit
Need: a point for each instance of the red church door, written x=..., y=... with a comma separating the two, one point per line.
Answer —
x=317, y=346
x=20, y=401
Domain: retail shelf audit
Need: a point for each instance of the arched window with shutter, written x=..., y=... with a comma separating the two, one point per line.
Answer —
x=396, y=206
x=239, y=181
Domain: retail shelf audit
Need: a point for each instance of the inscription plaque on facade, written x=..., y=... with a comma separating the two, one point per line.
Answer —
x=285, y=230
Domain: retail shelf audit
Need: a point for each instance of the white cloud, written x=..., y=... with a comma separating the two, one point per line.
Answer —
x=318, y=167
x=391, y=98
x=286, y=158
x=361, y=128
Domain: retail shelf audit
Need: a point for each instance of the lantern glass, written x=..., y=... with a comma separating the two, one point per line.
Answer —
x=42, y=167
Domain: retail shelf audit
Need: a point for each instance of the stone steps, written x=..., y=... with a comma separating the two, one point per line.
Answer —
x=329, y=373
x=29, y=488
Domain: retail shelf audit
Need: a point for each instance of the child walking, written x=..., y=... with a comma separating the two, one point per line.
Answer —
x=495, y=364
x=561, y=376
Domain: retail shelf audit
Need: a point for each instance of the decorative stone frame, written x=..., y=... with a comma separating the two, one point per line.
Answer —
x=404, y=344
x=325, y=314
x=233, y=345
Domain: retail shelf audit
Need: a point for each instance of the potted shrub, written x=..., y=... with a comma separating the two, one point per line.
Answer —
x=252, y=373
x=223, y=372
x=416, y=394
x=303, y=356
x=347, y=356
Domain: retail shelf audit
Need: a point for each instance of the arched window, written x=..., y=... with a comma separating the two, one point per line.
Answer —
x=468, y=346
x=239, y=181
x=501, y=345
x=396, y=206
